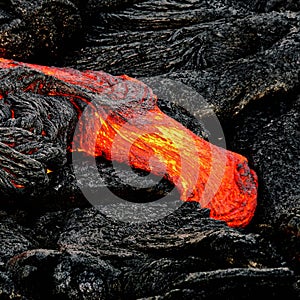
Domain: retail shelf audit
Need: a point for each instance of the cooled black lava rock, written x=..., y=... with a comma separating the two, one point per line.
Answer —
x=226, y=50
x=185, y=254
x=8, y=289
x=38, y=30
x=273, y=145
x=231, y=86
x=14, y=238
x=188, y=230
x=243, y=57
x=26, y=164
x=176, y=36
x=270, y=137
x=69, y=275
x=232, y=284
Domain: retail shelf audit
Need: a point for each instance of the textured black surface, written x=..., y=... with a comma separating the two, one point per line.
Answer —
x=184, y=254
x=40, y=30
x=243, y=57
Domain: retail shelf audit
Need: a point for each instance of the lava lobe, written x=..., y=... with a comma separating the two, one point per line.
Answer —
x=40, y=107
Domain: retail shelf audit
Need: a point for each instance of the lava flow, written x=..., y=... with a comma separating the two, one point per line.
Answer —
x=126, y=125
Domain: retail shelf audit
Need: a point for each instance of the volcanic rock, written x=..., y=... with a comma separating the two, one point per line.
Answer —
x=271, y=139
x=37, y=30
x=185, y=254
x=233, y=85
x=243, y=58
x=7, y=288
x=225, y=50
x=15, y=239
x=233, y=283
x=72, y=275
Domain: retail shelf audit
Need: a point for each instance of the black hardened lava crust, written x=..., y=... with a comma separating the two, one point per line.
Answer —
x=243, y=57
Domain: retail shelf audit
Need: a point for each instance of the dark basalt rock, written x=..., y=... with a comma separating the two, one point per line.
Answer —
x=273, y=145
x=187, y=230
x=243, y=57
x=190, y=36
x=8, y=290
x=97, y=257
x=233, y=85
x=184, y=254
x=40, y=30
x=68, y=275
x=227, y=52
x=232, y=284
x=14, y=239
x=270, y=138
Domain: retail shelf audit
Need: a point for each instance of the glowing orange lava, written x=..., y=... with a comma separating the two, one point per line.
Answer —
x=152, y=141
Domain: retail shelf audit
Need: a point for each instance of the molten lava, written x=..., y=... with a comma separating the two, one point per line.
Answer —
x=136, y=132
